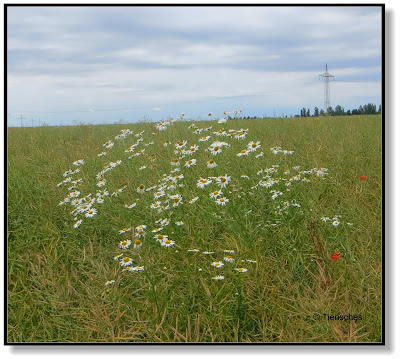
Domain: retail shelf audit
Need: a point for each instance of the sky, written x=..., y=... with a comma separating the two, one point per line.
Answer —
x=70, y=65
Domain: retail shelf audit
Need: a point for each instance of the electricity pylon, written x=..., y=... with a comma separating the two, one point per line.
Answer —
x=326, y=77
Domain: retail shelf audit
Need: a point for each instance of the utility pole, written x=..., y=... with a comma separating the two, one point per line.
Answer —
x=22, y=118
x=326, y=76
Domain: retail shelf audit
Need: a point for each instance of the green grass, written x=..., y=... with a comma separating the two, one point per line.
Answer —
x=57, y=274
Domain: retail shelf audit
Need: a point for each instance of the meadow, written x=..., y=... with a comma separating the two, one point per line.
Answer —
x=130, y=233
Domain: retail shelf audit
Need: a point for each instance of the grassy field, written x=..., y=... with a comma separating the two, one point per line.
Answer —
x=270, y=222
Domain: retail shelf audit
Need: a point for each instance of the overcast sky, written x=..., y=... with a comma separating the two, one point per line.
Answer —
x=103, y=64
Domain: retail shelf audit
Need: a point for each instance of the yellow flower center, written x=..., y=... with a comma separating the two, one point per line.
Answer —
x=216, y=148
x=215, y=193
x=126, y=259
x=141, y=186
x=140, y=231
x=137, y=241
x=160, y=236
x=223, y=179
x=211, y=161
x=167, y=241
x=243, y=151
x=124, y=243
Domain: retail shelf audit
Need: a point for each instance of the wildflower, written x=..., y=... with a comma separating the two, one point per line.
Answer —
x=137, y=243
x=118, y=256
x=193, y=148
x=215, y=150
x=110, y=282
x=202, y=182
x=168, y=243
x=253, y=146
x=175, y=162
x=222, y=120
x=137, y=269
x=102, y=154
x=74, y=194
x=335, y=256
x=166, y=143
x=231, y=251
x=217, y=264
x=241, y=270
x=208, y=253
x=179, y=223
x=164, y=222
x=194, y=200
x=223, y=181
x=325, y=219
x=190, y=163
x=229, y=259
x=219, y=277
x=205, y=138
x=243, y=153
x=130, y=206
x=142, y=168
x=335, y=223
x=161, y=237
x=78, y=223
x=211, y=164
x=216, y=194
x=125, y=244
x=194, y=250
x=222, y=201
x=140, y=233
x=251, y=261
x=155, y=205
x=140, y=189
x=91, y=212
x=240, y=135
x=124, y=230
x=159, y=194
x=245, y=176
x=126, y=261
x=78, y=162
x=363, y=178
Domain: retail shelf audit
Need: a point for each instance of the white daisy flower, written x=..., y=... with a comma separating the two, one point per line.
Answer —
x=155, y=205
x=229, y=259
x=125, y=244
x=194, y=250
x=211, y=164
x=126, y=261
x=217, y=264
x=219, y=277
x=78, y=223
x=335, y=223
x=194, y=200
x=124, y=230
x=222, y=201
x=141, y=189
x=243, y=153
x=109, y=282
x=118, y=256
x=161, y=237
x=190, y=163
x=204, y=138
x=167, y=243
x=91, y=212
x=202, y=182
x=133, y=205
x=223, y=181
x=208, y=253
x=179, y=223
x=137, y=243
x=253, y=146
x=216, y=194
x=231, y=251
x=241, y=270
x=137, y=269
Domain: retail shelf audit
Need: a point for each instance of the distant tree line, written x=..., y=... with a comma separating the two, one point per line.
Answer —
x=368, y=109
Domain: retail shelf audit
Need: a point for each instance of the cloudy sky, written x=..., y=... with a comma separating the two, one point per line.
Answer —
x=103, y=64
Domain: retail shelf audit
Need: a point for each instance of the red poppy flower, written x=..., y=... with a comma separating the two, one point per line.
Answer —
x=335, y=256
x=363, y=178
